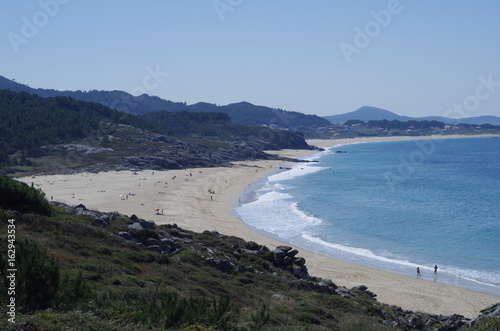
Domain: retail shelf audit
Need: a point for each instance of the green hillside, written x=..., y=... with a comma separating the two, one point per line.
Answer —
x=240, y=113
x=46, y=134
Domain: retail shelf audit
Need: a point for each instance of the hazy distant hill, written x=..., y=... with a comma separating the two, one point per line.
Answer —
x=365, y=114
x=240, y=113
x=371, y=113
x=470, y=120
x=119, y=100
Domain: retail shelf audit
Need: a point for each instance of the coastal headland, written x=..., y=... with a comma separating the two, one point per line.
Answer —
x=201, y=199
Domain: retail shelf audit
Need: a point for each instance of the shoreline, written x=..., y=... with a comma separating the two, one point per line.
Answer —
x=184, y=198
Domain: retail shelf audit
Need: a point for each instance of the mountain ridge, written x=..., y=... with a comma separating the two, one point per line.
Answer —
x=367, y=113
x=240, y=113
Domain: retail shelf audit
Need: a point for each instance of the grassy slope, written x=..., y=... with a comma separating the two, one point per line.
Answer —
x=120, y=276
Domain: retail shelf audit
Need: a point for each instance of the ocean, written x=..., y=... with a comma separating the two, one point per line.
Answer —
x=392, y=205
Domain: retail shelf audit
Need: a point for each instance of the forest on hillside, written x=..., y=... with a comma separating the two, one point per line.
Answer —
x=29, y=121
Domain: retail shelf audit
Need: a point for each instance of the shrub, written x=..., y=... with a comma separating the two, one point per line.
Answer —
x=37, y=276
x=487, y=324
x=23, y=198
x=38, y=280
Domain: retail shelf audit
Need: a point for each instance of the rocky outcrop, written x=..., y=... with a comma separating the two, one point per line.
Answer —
x=182, y=156
x=491, y=311
x=78, y=148
x=144, y=150
x=284, y=257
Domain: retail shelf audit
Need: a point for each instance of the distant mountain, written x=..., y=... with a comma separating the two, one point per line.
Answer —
x=365, y=114
x=478, y=120
x=371, y=113
x=240, y=113
x=119, y=100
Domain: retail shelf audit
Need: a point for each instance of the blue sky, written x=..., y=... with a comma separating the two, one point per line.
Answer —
x=324, y=57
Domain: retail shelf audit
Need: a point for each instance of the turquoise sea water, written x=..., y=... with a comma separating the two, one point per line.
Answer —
x=393, y=206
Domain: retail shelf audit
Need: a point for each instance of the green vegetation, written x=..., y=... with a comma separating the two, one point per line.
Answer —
x=241, y=113
x=58, y=134
x=184, y=123
x=488, y=324
x=22, y=198
x=211, y=126
x=93, y=281
x=29, y=121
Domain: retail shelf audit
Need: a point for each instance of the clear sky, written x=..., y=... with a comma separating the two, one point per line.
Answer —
x=324, y=57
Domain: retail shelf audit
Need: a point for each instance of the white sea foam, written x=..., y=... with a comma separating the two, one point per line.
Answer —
x=295, y=171
x=361, y=252
x=274, y=212
x=479, y=280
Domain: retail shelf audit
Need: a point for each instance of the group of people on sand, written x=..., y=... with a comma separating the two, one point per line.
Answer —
x=435, y=272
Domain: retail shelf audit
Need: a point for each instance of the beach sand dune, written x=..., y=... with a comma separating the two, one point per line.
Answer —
x=203, y=199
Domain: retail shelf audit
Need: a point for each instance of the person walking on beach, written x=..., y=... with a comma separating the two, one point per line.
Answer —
x=418, y=272
x=435, y=270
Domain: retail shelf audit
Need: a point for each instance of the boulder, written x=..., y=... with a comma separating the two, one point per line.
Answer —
x=361, y=288
x=343, y=292
x=264, y=248
x=279, y=255
x=136, y=226
x=153, y=241
x=292, y=253
x=285, y=249
x=287, y=260
x=170, y=243
x=300, y=261
x=243, y=269
x=164, y=233
x=105, y=217
x=89, y=213
x=223, y=265
x=116, y=236
x=148, y=225
x=125, y=235
x=100, y=222
x=226, y=266
x=250, y=251
x=184, y=235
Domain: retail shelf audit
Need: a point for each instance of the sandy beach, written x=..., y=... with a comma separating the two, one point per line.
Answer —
x=203, y=199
